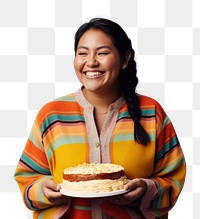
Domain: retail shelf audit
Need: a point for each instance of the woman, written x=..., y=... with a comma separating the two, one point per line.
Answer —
x=104, y=121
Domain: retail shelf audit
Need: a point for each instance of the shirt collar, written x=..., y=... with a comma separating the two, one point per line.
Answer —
x=80, y=98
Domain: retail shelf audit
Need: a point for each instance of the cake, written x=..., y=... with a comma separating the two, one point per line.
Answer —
x=94, y=178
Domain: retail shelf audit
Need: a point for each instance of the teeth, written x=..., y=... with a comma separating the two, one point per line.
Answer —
x=92, y=73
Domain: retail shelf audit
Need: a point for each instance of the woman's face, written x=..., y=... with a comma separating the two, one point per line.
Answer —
x=97, y=62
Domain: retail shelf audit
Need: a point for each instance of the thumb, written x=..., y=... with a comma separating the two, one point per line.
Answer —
x=132, y=184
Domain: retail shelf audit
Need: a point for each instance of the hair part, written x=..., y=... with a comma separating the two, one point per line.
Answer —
x=128, y=77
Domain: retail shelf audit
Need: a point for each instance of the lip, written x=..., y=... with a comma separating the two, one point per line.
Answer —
x=93, y=74
x=92, y=70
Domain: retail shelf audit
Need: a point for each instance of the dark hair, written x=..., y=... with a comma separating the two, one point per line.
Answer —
x=127, y=78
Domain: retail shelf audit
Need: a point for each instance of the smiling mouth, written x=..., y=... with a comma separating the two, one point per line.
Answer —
x=93, y=73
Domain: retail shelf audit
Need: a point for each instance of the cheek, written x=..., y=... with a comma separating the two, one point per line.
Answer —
x=78, y=64
x=113, y=64
x=114, y=67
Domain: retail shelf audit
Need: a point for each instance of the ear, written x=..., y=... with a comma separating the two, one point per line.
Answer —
x=126, y=59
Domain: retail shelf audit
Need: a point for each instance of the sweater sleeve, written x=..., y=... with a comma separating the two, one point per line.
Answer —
x=32, y=170
x=168, y=177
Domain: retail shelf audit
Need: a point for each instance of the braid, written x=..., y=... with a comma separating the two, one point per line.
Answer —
x=140, y=134
x=128, y=83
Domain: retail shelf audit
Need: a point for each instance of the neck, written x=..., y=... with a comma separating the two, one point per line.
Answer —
x=101, y=101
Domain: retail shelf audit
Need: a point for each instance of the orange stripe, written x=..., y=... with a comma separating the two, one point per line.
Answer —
x=31, y=150
x=61, y=107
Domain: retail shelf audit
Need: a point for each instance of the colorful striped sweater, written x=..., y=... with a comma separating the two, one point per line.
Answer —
x=64, y=134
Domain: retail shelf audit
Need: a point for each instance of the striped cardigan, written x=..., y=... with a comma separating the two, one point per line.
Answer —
x=64, y=134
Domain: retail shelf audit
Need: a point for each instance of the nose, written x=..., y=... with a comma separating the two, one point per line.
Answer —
x=92, y=61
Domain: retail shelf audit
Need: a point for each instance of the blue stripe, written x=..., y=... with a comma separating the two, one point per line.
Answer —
x=148, y=112
x=65, y=140
x=34, y=165
x=123, y=137
x=63, y=118
x=144, y=112
x=123, y=114
x=66, y=98
x=33, y=140
x=28, y=201
x=158, y=202
x=173, y=166
x=174, y=141
x=130, y=137
x=166, y=122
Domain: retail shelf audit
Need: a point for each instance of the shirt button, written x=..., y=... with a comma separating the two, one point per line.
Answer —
x=97, y=144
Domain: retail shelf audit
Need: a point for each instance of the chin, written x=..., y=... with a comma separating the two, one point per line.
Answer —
x=92, y=87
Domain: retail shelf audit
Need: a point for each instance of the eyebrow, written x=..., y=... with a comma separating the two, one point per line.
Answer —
x=98, y=48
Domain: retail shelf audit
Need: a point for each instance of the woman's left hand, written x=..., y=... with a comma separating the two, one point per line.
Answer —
x=136, y=187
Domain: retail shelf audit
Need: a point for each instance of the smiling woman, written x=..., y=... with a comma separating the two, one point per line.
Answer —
x=105, y=121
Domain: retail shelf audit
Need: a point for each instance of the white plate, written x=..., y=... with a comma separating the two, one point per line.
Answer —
x=91, y=195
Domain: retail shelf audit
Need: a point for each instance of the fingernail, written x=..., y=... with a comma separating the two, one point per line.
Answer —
x=58, y=187
x=126, y=187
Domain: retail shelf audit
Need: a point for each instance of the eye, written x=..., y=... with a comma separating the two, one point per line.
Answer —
x=103, y=53
x=82, y=53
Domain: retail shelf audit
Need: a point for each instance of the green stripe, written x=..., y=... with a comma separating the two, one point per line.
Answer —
x=148, y=112
x=123, y=137
x=144, y=112
x=34, y=165
x=166, y=122
x=28, y=201
x=33, y=140
x=84, y=208
x=63, y=118
x=65, y=140
x=123, y=114
x=130, y=137
x=26, y=174
x=173, y=166
x=159, y=197
x=65, y=98
x=178, y=183
x=41, y=215
x=152, y=137
x=40, y=194
x=167, y=147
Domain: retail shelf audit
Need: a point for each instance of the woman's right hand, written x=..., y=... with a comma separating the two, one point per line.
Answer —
x=52, y=192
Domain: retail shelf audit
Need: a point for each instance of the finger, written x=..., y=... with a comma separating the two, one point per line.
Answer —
x=53, y=186
x=56, y=197
x=51, y=189
x=131, y=184
x=52, y=194
x=128, y=197
x=134, y=194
